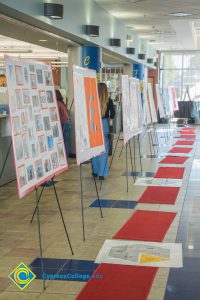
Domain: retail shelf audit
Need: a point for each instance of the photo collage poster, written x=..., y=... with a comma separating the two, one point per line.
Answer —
x=131, y=107
x=152, y=104
x=173, y=98
x=38, y=146
x=146, y=107
x=88, y=123
x=161, y=105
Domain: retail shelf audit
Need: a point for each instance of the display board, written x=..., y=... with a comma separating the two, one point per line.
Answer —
x=146, y=108
x=38, y=146
x=154, y=118
x=173, y=98
x=168, y=109
x=132, y=107
x=88, y=123
x=161, y=105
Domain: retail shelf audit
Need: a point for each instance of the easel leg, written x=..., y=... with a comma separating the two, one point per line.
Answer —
x=114, y=151
x=131, y=160
x=6, y=158
x=61, y=214
x=126, y=169
x=140, y=152
x=121, y=151
x=36, y=206
x=82, y=209
x=39, y=234
x=95, y=183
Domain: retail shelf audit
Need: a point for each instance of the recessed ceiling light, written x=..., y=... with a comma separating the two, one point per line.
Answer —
x=180, y=14
x=42, y=40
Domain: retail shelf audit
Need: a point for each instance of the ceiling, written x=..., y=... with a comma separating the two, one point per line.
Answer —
x=151, y=20
x=30, y=42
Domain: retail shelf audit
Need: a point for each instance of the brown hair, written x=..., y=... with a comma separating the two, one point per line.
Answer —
x=59, y=96
x=103, y=97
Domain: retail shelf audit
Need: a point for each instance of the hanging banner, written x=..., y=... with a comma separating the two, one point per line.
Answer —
x=153, y=113
x=161, y=106
x=88, y=123
x=132, y=107
x=172, y=98
x=146, y=108
x=38, y=146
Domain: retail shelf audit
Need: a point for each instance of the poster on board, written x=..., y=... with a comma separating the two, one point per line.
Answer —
x=161, y=105
x=39, y=152
x=88, y=123
x=131, y=107
x=173, y=98
x=154, y=118
x=146, y=108
x=168, y=109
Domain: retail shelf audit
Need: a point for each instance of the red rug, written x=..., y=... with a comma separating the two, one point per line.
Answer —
x=145, y=225
x=119, y=282
x=186, y=132
x=176, y=160
x=170, y=172
x=185, y=143
x=188, y=136
x=180, y=150
x=160, y=195
x=188, y=128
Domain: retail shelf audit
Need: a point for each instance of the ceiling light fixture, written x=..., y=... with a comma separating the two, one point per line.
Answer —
x=180, y=14
x=115, y=42
x=92, y=30
x=42, y=40
x=141, y=56
x=130, y=50
x=53, y=11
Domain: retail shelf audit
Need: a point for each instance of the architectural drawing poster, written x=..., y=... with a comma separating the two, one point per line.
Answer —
x=173, y=98
x=88, y=123
x=38, y=146
x=146, y=108
x=154, y=118
x=161, y=106
x=132, y=107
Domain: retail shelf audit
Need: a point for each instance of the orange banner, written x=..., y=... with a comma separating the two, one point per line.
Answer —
x=93, y=113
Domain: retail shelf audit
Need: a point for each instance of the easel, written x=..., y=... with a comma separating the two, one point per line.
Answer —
x=81, y=198
x=36, y=210
x=6, y=159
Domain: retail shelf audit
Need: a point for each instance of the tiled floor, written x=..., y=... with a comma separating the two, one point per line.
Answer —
x=19, y=238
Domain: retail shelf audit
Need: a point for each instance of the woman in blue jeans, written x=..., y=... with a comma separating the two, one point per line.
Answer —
x=100, y=163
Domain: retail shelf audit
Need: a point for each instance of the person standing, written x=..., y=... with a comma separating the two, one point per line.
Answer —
x=65, y=120
x=100, y=163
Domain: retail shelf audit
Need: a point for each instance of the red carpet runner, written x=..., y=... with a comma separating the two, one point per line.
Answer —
x=188, y=136
x=176, y=160
x=185, y=143
x=159, y=195
x=145, y=225
x=170, y=172
x=119, y=282
x=180, y=150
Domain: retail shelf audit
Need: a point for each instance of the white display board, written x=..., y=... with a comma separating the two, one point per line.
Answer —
x=161, y=105
x=39, y=151
x=132, y=107
x=88, y=123
x=168, y=109
x=147, y=114
x=138, y=253
x=154, y=118
x=173, y=102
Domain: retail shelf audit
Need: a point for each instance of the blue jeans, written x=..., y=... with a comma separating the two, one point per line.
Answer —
x=100, y=163
x=66, y=136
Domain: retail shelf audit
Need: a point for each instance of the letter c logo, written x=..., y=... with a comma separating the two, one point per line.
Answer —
x=87, y=60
